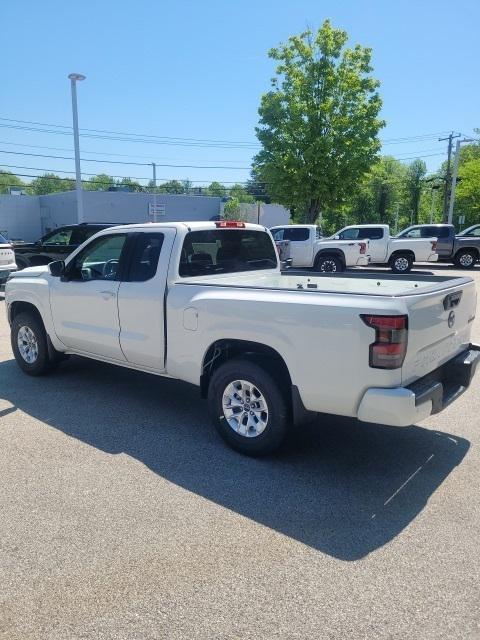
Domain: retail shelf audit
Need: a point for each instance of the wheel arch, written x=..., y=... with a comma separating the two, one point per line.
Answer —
x=402, y=252
x=330, y=252
x=265, y=356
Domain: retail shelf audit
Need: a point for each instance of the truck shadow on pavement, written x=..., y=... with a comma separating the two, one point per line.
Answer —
x=342, y=487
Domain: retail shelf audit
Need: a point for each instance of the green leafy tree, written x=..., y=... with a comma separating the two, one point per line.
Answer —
x=130, y=184
x=319, y=123
x=233, y=210
x=238, y=191
x=8, y=180
x=257, y=189
x=414, y=182
x=100, y=182
x=51, y=183
x=172, y=186
x=468, y=191
x=216, y=189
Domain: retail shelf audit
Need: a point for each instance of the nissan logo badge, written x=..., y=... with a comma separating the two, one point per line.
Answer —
x=451, y=319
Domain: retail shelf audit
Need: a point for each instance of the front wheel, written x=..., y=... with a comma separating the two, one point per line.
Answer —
x=465, y=259
x=29, y=344
x=329, y=264
x=248, y=408
x=401, y=263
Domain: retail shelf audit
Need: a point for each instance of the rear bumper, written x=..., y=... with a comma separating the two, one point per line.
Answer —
x=403, y=406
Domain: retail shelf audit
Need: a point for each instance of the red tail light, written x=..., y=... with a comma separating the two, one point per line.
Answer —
x=391, y=336
x=434, y=245
x=230, y=224
x=363, y=247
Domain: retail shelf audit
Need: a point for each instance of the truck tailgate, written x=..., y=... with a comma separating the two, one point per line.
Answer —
x=439, y=328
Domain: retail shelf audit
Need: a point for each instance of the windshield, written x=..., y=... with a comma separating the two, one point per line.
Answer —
x=226, y=251
x=471, y=231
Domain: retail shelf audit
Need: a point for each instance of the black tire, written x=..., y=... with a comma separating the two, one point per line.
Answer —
x=465, y=259
x=329, y=264
x=42, y=363
x=401, y=263
x=277, y=420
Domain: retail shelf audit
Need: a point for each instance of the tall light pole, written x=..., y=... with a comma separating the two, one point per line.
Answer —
x=74, y=78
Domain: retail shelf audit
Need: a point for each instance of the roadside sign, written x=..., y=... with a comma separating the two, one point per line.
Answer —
x=461, y=219
x=155, y=211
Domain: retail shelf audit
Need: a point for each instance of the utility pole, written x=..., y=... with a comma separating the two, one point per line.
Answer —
x=154, y=167
x=454, y=177
x=446, y=188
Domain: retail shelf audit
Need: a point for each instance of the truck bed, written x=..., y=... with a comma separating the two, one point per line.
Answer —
x=353, y=283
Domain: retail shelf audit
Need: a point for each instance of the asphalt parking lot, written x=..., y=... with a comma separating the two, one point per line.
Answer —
x=123, y=516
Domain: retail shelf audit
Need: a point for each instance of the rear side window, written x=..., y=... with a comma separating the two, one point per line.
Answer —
x=435, y=232
x=145, y=256
x=226, y=251
x=3, y=240
x=296, y=235
x=375, y=233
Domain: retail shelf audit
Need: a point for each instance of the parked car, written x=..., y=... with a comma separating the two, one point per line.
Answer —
x=308, y=249
x=398, y=253
x=7, y=260
x=205, y=302
x=462, y=249
x=57, y=244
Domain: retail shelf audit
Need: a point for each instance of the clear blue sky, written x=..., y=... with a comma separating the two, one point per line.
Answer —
x=195, y=69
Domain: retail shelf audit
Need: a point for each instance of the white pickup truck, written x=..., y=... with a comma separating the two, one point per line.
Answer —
x=308, y=249
x=398, y=253
x=205, y=302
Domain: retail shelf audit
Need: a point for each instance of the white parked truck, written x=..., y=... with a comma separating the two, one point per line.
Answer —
x=308, y=249
x=7, y=260
x=205, y=302
x=398, y=253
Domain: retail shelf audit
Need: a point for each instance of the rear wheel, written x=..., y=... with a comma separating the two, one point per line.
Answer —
x=401, y=263
x=329, y=264
x=247, y=407
x=29, y=345
x=465, y=259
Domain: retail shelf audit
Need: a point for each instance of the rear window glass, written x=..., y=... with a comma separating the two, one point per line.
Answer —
x=3, y=240
x=226, y=251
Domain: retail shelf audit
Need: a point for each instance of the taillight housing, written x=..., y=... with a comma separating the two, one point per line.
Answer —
x=230, y=224
x=434, y=245
x=391, y=337
x=363, y=247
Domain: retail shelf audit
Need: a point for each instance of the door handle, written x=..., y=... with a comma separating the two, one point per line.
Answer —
x=107, y=294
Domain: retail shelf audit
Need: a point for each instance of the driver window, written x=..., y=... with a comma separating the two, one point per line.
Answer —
x=99, y=260
x=60, y=237
x=414, y=233
x=277, y=234
x=349, y=234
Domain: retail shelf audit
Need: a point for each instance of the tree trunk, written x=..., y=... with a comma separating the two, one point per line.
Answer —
x=313, y=211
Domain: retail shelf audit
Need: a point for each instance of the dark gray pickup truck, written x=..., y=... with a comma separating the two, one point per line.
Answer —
x=462, y=249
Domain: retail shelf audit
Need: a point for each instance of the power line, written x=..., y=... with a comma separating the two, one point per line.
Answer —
x=143, y=137
x=99, y=153
x=140, y=164
x=45, y=177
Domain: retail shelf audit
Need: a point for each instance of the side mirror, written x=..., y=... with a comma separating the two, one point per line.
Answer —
x=337, y=238
x=57, y=268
